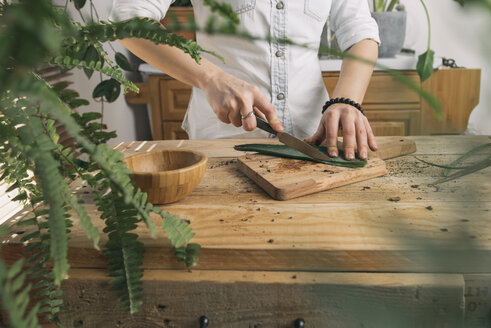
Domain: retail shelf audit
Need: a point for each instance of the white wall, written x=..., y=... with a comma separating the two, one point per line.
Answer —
x=456, y=33
x=129, y=121
x=461, y=34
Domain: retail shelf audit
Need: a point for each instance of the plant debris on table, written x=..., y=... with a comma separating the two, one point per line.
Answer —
x=288, y=152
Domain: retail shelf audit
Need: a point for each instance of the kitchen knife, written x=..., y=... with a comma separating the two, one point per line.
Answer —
x=293, y=142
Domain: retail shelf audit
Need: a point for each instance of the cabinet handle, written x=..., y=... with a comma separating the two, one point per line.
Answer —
x=204, y=321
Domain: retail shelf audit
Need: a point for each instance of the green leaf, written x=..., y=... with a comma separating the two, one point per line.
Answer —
x=392, y=4
x=425, y=65
x=75, y=103
x=57, y=87
x=379, y=5
x=474, y=151
x=123, y=62
x=79, y=3
x=177, y=230
x=109, y=89
x=288, y=152
x=15, y=269
x=91, y=56
x=468, y=170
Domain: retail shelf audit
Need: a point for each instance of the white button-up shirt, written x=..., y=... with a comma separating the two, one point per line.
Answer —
x=290, y=76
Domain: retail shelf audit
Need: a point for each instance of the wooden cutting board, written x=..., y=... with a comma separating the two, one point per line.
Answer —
x=284, y=178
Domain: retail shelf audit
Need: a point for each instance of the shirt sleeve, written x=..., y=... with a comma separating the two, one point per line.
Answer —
x=352, y=22
x=127, y=9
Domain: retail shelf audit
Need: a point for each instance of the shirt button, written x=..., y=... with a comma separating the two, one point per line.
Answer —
x=280, y=96
x=279, y=5
x=279, y=53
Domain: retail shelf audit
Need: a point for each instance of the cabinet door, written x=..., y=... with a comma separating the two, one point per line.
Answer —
x=175, y=97
x=173, y=131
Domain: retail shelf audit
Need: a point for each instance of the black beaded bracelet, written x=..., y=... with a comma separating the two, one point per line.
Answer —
x=342, y=101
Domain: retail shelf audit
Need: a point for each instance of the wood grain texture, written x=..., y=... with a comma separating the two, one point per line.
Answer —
x=285, y=179
x=477, y=300
x=458, y=91
x=269, y=299
x=167, y=175
x=155, y=107
x=393, y=223
x=344, y=246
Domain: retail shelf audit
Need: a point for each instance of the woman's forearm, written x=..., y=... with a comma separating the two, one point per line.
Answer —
x=230, y=98
x=173, y=61
x=355, y=75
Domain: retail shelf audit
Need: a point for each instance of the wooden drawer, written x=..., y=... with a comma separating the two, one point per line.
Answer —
x=174, y=100
x=394, y=123
x=384, y=90
x=173, y=131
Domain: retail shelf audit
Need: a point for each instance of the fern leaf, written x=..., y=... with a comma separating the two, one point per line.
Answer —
x=124, y=251
x=86, y=222
x=177, y=230
x=13, y=302
x=113, y=72
x=51, y=181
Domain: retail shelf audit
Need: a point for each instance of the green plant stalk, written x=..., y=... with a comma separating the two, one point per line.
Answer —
x=392, y=4
x=429, y=24
x=459, y=160
x=379, y=5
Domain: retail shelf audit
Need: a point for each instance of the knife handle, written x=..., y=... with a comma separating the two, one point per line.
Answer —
x=263, y=125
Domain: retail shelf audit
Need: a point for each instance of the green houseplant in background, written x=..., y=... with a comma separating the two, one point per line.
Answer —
x=392, y=26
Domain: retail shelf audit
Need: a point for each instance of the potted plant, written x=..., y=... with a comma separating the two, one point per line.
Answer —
x=392, y=26
x=392, y=31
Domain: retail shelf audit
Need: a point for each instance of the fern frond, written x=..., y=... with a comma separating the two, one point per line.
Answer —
x=115, y=73
x=14, y=298
x=48, y=293
x=51, y=182
x=37, y=148
x=124, y=251
x=177, y=230
x=188, y=254
x=143, y=28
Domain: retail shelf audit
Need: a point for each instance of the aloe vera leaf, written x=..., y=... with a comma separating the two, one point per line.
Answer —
x=462, y=158
x=479, y=166
x=448, y=167
x=288, y=152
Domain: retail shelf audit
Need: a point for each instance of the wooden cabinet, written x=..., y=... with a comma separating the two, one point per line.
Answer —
x=390, y=105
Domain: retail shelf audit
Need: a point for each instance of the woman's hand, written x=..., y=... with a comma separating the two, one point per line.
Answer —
x=355, y=129
x=231, y=99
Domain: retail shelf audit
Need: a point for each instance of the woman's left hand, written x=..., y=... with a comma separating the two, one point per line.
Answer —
x=356, y=131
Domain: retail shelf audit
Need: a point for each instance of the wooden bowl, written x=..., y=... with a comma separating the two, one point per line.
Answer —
x=167, y=175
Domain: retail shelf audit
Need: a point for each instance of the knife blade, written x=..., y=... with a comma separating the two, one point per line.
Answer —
x=293, y=142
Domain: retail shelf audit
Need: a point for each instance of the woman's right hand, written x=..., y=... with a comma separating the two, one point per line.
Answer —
x=231, y=98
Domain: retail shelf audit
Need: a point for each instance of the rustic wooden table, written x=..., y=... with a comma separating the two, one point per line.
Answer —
x=387, y=252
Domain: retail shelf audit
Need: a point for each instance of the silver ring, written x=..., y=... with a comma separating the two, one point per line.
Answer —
x=243, y=117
